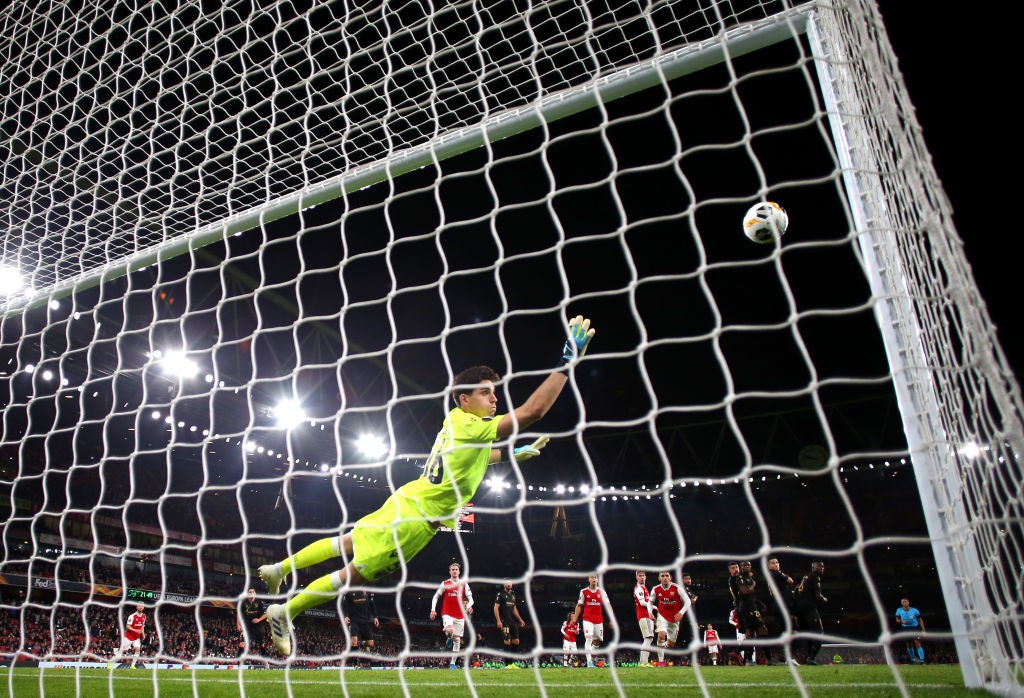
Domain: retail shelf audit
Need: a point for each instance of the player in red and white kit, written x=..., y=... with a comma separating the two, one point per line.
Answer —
x=713, y=644
x=134, y=631
x=591, y=606
x=671, y=603
x=641, y=597
x=458, y=601
x=569, y=631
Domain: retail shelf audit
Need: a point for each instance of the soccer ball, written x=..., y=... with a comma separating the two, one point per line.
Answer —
x=765, y=221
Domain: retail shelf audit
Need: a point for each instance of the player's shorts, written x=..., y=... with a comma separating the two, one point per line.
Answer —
x=509, y=631
x=569, y=646
x=713, y=649
x=752, y=622
x=646, y=626
x=458, y=625
x=361, y=629
x=133, y=644
x=916, y=633
x=593, y=630
x=671, y=630
x=378, y=537
x=254, y=631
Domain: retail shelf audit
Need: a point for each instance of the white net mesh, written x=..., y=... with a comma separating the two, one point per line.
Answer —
x=246, y=250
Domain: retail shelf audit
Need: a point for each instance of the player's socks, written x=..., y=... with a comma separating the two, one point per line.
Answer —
x=645, y=654
x=317, y=592
x=456, y=646
x=910, y=651
x=920, y=654
x=590, y=659
x=661, y=652
x=323, y=549
x=312, y=554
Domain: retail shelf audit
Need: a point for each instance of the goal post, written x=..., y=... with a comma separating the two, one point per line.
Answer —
x=873, y=134
x=246, y=249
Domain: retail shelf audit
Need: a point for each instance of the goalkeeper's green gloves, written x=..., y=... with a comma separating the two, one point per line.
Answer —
x=580, y=334
x=527, y=452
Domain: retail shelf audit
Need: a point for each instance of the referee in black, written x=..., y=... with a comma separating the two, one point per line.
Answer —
x=251, y=612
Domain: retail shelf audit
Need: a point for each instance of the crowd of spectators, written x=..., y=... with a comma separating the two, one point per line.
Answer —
x=177, y=634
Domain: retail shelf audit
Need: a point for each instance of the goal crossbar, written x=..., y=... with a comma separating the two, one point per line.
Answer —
x=554, y=107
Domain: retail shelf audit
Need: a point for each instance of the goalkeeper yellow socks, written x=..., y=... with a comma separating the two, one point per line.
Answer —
x=319, y=591
x=323, y=549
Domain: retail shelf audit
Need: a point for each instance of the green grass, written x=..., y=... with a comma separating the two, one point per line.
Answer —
x=849, y=680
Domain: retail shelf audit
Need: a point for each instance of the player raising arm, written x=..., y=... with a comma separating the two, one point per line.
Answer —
x=385, y=539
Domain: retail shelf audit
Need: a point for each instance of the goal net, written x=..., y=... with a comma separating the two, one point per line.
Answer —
x=247, y=249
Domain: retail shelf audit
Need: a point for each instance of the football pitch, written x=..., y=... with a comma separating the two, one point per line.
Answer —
x=848, y=680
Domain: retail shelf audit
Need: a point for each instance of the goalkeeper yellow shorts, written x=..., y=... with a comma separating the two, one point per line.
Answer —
x=393, y=534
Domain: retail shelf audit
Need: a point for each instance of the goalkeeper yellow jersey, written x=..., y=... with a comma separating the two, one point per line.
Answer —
x=456, y=466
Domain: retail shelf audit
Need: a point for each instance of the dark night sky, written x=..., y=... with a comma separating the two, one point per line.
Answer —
x=965, y=122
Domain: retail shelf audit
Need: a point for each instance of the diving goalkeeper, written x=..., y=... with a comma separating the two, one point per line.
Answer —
x=382, y=541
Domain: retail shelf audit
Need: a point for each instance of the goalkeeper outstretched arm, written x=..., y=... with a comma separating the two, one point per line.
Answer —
x=539, y=403
x=522, y=452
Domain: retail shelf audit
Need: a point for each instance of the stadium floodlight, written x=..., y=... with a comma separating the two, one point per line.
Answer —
x=11, y=281
x=585, y=489
x=176, y=364
x=47, y=375
x=970, y=450
x=371, y=446
x=560, y=489
x=289, y=413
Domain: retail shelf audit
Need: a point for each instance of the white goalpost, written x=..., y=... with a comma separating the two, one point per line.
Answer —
x=246, y=250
